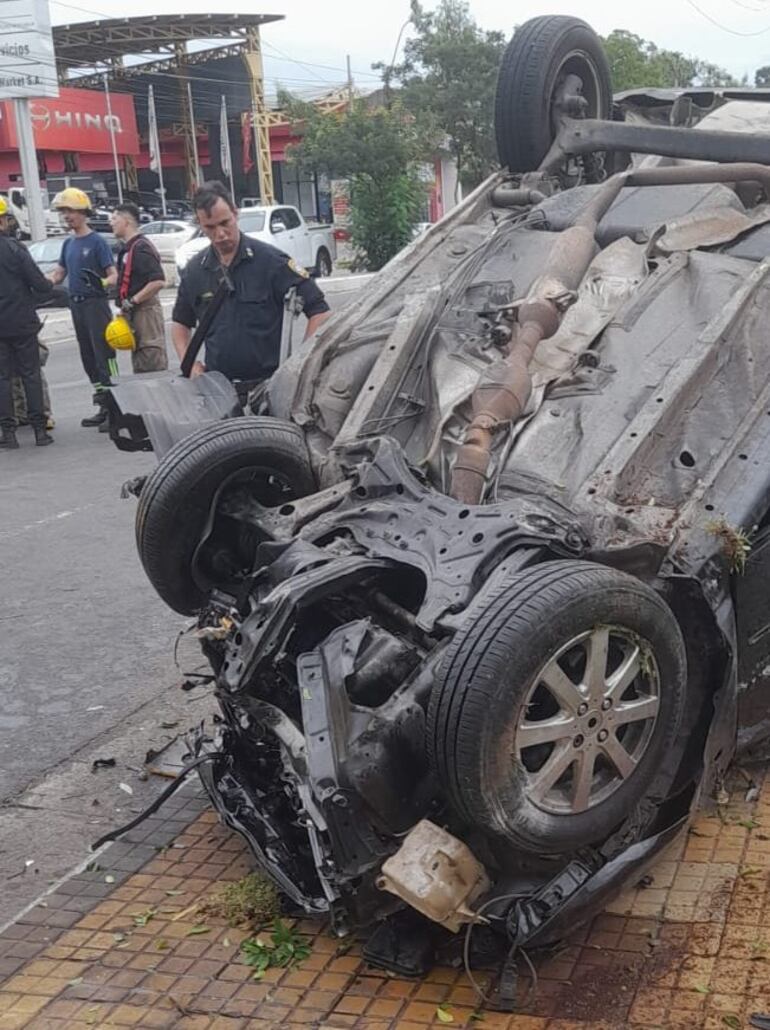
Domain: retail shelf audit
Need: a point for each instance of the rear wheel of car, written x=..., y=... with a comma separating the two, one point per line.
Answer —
x=323, y=264
x=556, y=705
x=261, y=458
x=548, y=60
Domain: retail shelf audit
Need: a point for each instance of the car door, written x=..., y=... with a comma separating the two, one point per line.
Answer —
x=176, y=233
x=155, y=233
x=281, y=233
x=753, y=631
x=303, y=243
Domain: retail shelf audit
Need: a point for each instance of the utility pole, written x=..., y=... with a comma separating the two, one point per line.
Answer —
x=194, y=138
x=29, y=170
x=112, y=139
x=350, y=80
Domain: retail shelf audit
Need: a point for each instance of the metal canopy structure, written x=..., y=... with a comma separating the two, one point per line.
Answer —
x=101, y=46
x=85, y=44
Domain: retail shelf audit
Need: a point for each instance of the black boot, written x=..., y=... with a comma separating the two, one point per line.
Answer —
x=42, y=439
x=99, y=416
x=8, y=439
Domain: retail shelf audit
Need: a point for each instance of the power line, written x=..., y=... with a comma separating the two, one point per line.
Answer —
x=725, y=28
x=265, y=44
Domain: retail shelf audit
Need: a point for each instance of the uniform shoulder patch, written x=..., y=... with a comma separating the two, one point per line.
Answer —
x=296, y=268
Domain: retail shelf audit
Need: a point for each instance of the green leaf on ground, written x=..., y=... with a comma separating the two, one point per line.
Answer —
x=701, y=989
x=285, y=948
x=195, y=930
x=443, y=1015
x=733, y=1021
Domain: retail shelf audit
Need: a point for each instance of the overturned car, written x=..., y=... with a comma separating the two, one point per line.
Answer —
x=484, y=585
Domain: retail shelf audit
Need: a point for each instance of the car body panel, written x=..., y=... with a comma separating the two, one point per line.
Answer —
x=168, y=235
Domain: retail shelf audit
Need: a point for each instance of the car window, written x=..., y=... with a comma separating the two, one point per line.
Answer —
x=152, y=228
x=277, y=219
x=252, y=221
x=291, y=218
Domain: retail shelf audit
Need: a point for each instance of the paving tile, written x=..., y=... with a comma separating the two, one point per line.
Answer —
x=692, y=949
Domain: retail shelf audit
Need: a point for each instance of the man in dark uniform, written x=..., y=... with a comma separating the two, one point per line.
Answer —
x=22, y=284
x=244, y=339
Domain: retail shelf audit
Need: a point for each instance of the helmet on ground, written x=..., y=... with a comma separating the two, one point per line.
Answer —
x=74, y=199
x=119, y=334
x=3, y=207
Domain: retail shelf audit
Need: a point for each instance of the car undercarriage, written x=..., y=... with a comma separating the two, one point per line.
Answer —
x=482, y=578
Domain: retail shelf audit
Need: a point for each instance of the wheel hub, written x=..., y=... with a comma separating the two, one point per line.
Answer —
x=588, y=720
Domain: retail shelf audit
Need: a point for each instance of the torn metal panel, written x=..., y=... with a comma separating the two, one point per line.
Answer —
x=710, y=229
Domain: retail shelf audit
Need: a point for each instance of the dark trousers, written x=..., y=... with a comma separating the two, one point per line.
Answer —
x=90, y=318
x=20, y=356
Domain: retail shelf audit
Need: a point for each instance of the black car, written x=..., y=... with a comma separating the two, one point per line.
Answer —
x=483, y=583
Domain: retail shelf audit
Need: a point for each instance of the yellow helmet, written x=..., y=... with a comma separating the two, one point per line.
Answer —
x=3, y=207
x=119, y=334
x=74, y=199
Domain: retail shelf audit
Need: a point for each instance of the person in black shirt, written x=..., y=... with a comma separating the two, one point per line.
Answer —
x=244, y=339
x=140, y=280
x=22, y=284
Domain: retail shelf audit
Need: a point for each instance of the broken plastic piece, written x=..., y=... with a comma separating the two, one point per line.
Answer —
x=102, y=763
x=436, y=874
x=404, y=944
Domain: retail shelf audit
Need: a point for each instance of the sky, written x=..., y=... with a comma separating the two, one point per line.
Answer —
x=306, y=51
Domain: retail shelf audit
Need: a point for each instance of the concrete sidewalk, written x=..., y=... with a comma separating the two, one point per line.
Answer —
x=123, y=943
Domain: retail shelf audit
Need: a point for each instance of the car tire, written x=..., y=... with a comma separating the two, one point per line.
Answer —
x=490, y=702
x=540, y=53
x=323, y=264
x=175, y=502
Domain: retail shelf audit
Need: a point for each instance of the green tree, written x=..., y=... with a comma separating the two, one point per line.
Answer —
x=447, y=78
x=636, y=63
x=378, y=150
x=762, y=77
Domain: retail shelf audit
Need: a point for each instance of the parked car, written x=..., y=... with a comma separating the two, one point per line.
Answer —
x=46, y=255
x=483, y=586
x=312, y=246
x=168, y=235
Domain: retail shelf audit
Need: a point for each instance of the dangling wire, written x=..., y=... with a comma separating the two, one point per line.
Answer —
x=483, y=996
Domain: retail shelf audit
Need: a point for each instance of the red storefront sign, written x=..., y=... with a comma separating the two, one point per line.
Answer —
x=76, y=120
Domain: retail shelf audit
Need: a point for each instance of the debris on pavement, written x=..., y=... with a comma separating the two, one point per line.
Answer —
x=102, y=763
x=252, y=900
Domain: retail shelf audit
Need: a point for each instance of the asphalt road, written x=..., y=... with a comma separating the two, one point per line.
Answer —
x=84, y=640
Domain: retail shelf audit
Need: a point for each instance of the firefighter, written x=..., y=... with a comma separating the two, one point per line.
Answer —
x=22, y=286
x=20, y=401
x=244, y=339
x=87, y=263
x=140, y=280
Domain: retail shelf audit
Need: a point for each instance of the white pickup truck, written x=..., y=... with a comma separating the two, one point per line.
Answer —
x=312, y=246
